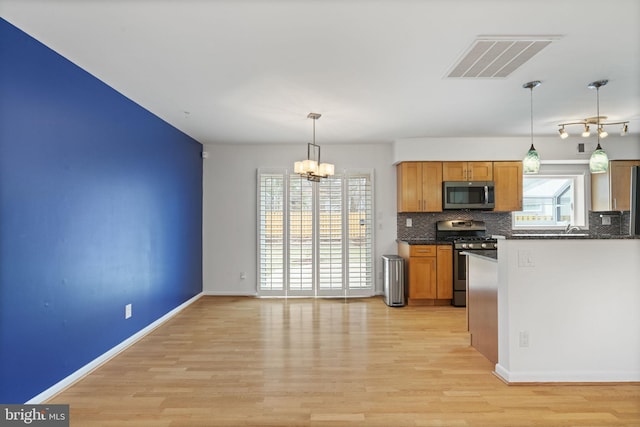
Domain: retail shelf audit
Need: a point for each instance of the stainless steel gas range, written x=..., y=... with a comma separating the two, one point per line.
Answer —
x=465, y=236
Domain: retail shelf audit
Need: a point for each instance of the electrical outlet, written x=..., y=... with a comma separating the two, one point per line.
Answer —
x=409, y=222
x=127, y=311
x=243, y=275
x=524, y=339
x=606, y=220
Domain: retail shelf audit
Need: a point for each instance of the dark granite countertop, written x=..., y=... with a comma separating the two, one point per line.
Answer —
x=423, y=242
x=563, y=236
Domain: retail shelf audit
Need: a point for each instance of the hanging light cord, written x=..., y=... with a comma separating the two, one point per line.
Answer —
x=531, y=89
x=598, y=113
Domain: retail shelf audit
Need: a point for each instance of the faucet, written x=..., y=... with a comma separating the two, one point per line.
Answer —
x=571, y=228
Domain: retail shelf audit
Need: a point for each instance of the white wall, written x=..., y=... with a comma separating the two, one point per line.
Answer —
x=579, y=303
x=551, y=149
x=229, y=204
x=229, y=228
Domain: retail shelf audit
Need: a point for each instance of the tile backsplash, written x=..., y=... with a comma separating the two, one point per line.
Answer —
x=620, y=222
x=424, y=224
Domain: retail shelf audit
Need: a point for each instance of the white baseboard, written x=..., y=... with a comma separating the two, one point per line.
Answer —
x=95, y=363
x=229, y=294
x=566, y=377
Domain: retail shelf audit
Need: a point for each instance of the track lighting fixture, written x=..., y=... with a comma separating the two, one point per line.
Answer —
x=599, y=121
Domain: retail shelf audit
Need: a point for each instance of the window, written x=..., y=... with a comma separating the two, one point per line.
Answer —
x=315, y=239
x=552, y=200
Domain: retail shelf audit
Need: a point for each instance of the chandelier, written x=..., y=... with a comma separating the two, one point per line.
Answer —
x=531, y=162
x=312, y=168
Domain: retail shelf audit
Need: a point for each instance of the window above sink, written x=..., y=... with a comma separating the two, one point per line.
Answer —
x=553, y=199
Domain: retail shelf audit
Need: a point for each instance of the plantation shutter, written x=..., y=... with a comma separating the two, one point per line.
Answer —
x=271, y=232
x=315, y=238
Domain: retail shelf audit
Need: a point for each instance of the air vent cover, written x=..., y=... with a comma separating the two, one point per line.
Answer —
x=498, y=56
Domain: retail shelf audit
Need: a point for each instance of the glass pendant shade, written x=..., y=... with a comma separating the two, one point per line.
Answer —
x=599, y=161
x=531, y=162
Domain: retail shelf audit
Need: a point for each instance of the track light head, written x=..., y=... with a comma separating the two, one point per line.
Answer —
x=602, y=133
x=625, y=130
x=586, y=132
x=563, y=133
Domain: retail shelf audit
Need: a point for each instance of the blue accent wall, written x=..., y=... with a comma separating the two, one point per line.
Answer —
x=100, y=206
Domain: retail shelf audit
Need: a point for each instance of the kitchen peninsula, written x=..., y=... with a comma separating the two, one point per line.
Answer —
x=566, y=309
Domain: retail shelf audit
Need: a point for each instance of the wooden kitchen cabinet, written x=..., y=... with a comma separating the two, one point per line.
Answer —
x=444, y=276
x=429, y=271
x=611, y=190
x=467, y=171
x=507, y=177
x=419, y=186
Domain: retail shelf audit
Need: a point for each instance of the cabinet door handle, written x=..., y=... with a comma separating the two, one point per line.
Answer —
x=615, y=203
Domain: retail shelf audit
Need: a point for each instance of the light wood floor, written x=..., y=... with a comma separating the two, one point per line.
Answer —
x=229, y=361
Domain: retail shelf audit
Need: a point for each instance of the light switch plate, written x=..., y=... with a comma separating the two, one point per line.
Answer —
x=525, y=259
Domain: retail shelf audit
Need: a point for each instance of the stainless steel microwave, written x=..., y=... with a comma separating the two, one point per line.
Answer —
x=468, y=195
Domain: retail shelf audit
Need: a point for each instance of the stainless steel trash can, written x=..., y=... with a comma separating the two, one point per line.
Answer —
x=393, y=280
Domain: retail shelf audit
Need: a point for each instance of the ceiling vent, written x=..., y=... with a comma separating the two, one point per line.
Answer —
x=498, y=56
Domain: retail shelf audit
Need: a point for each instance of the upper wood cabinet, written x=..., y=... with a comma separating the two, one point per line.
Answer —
x=467, y=171
x=419, y=186
x=611, y=190
x=508, y=186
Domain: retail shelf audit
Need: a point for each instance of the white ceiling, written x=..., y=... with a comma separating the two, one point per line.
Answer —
x=249, y=71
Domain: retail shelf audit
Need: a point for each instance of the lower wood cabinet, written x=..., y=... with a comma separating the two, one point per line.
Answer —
x=429, y=271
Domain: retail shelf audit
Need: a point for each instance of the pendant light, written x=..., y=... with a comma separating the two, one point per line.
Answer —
x=599, y=161
x=311, y=168
x=531, y=162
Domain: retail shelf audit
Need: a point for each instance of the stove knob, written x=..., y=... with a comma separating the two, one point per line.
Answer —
x=465, y=246
x=484, y=246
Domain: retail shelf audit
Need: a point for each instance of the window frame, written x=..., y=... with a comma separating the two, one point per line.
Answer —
x=580, y=175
